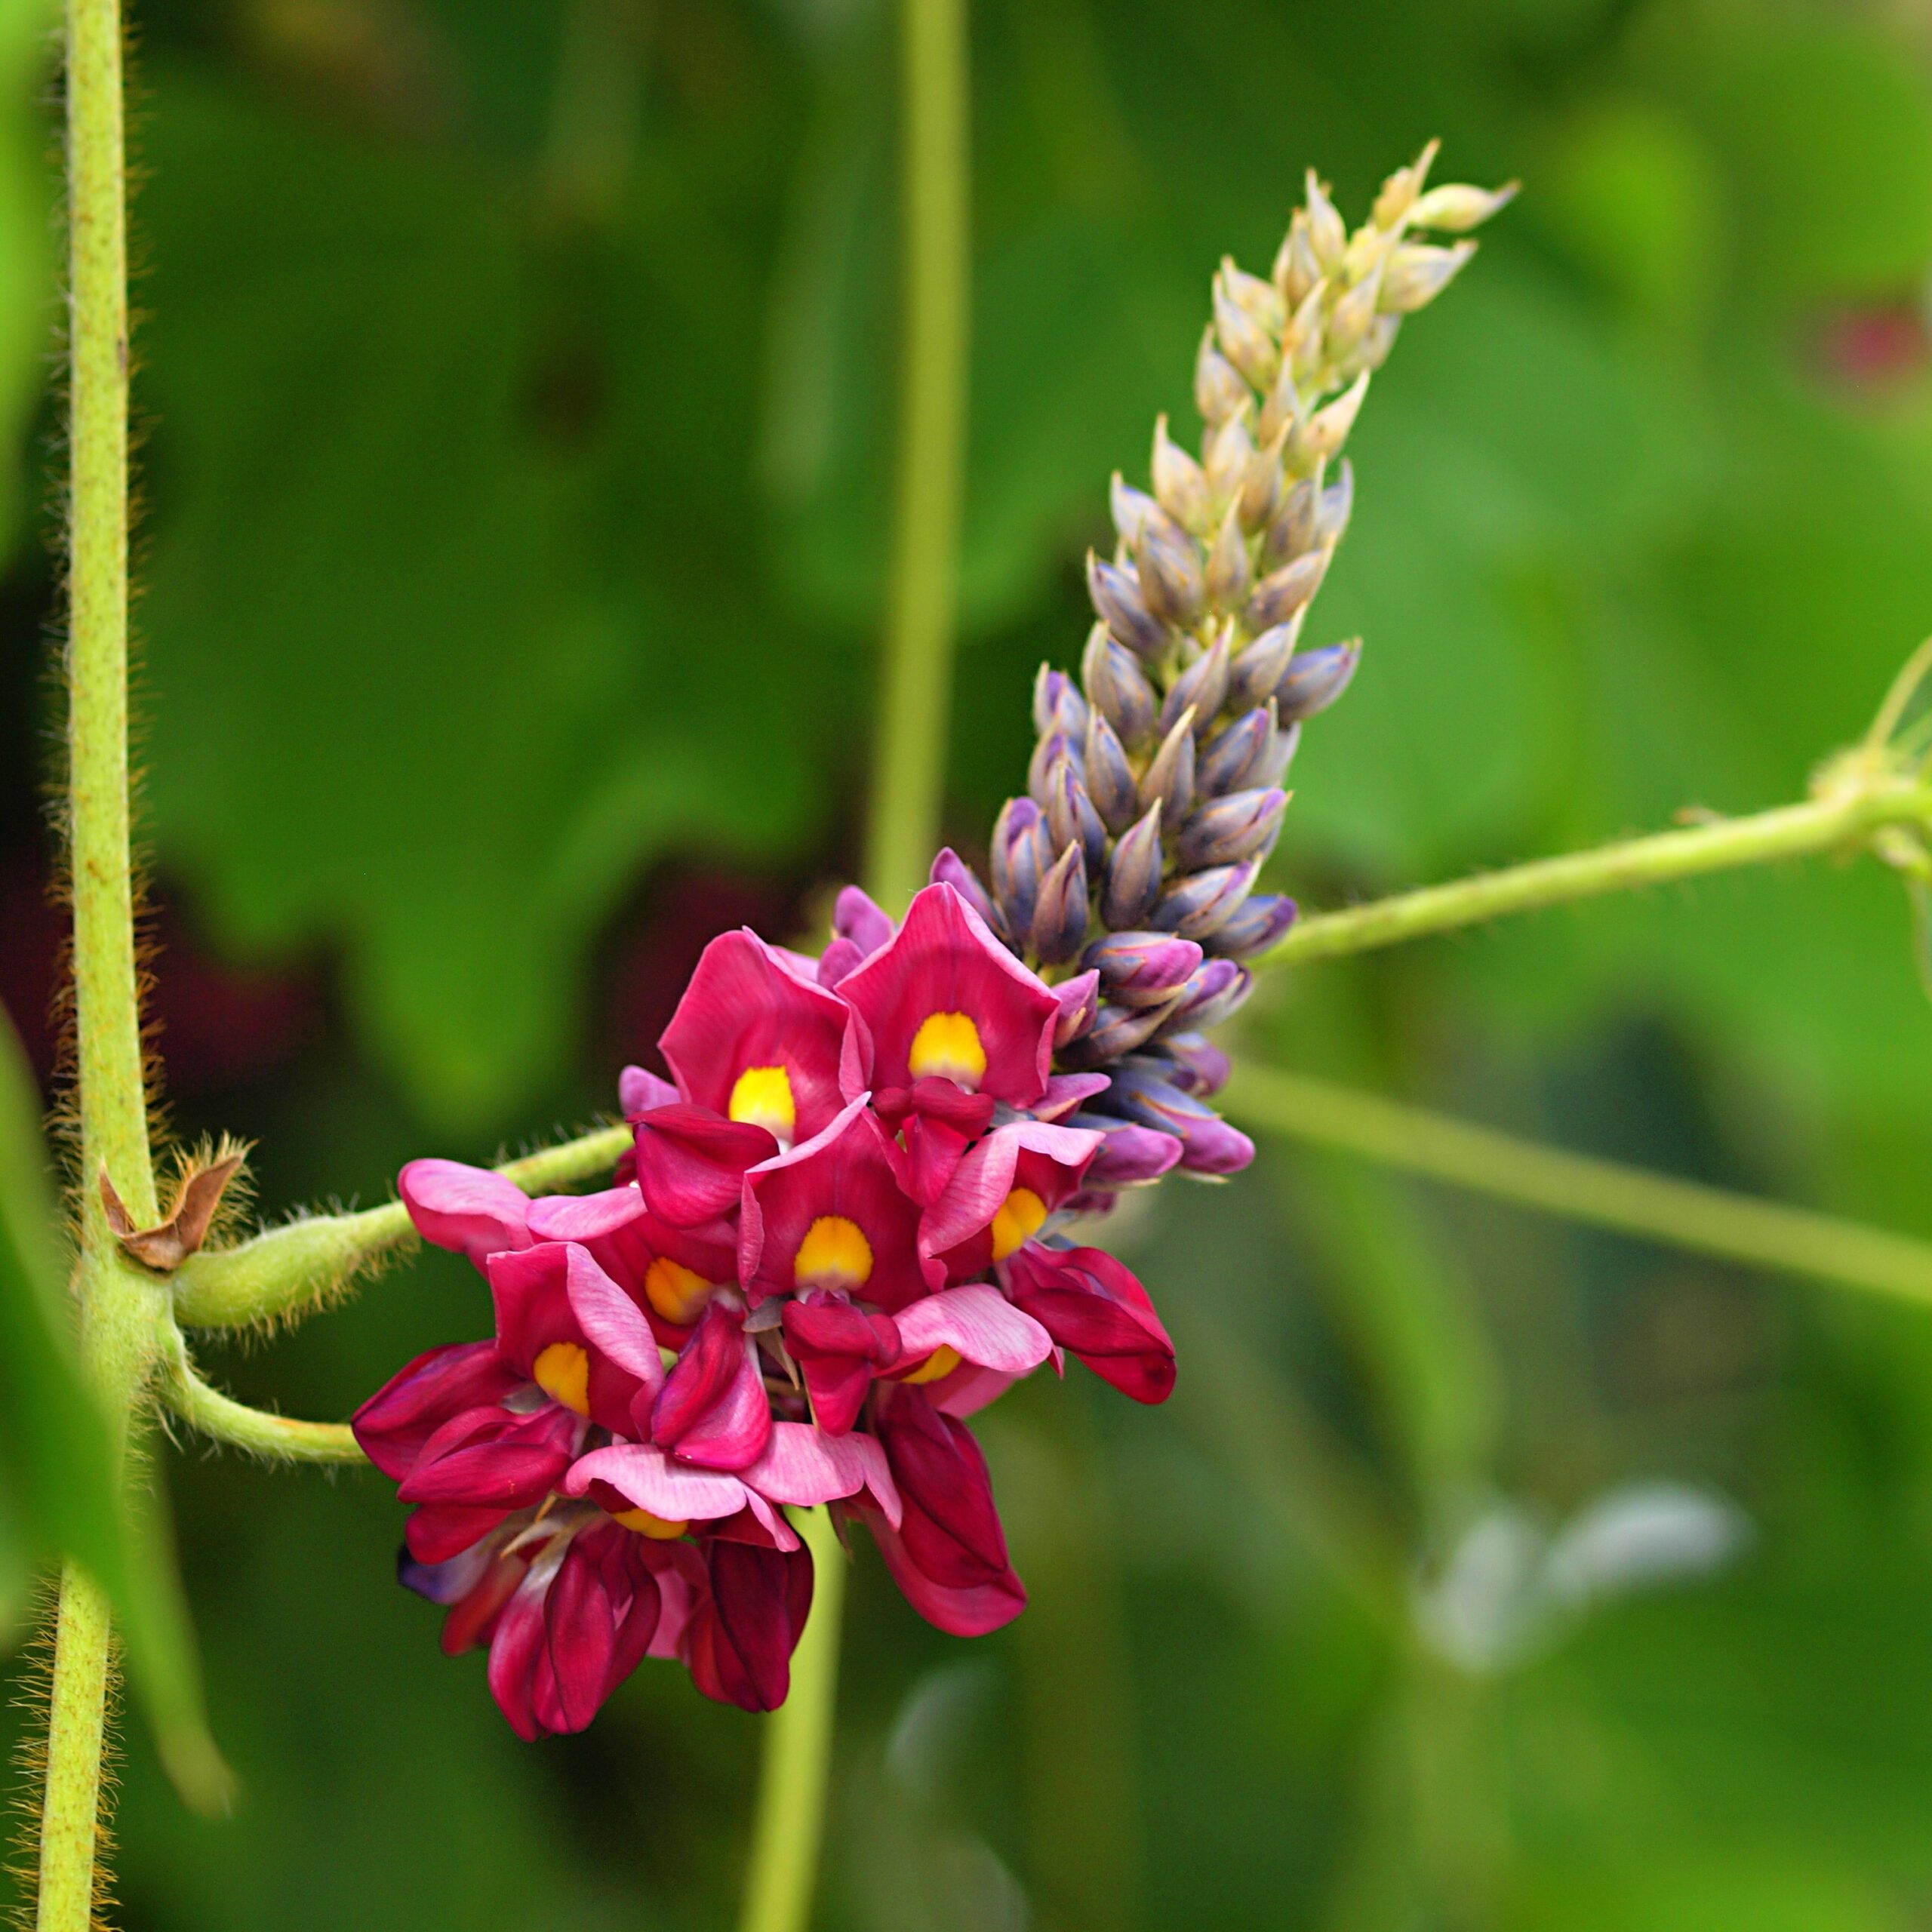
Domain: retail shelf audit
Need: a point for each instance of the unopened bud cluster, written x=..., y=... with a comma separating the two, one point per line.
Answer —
x=1155, y=794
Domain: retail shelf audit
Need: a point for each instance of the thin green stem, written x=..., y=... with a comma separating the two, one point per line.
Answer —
x=1871, y=797
x=1576, y=1187
x=909, y=773
x=288, y=1270
x=910, y=764
x=797, y=1758
x=278, y=1438
x=120, y=1307
x=70, y=1811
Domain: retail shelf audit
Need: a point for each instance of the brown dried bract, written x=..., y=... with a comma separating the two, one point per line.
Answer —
x=165, y=1248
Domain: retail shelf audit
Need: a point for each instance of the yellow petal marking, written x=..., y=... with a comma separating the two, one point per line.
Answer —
x=563, y=1371
x=677, y=1292
x=947, y=1044
x=762, y=1095
x=834, y=1253
x=943, y=1361
x=655, y=1527
x=1021, y=1216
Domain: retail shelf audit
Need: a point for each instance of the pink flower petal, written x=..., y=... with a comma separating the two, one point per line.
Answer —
x=585, y=1216
x=979, y=1325
x=647, y=1478
x=802, y=1465
x=1049, y=1160
x=469, y=1210
x=639, y=1090
x=747, y=1006
x=611, y=1321
x=944, y=959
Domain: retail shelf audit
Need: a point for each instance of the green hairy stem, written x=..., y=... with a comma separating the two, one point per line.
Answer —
x=122, y=1309
x=1575, y=1187
x=1869, y=797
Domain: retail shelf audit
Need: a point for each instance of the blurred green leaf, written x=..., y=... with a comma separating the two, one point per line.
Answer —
x=58, y=1490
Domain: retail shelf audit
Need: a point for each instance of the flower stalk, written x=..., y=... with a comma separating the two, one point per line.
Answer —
x=1859, y=800
x=1764, y=1235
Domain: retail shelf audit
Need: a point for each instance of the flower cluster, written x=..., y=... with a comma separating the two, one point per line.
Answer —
x=840, y=1233
x=1155, y=791
x=844, y=1227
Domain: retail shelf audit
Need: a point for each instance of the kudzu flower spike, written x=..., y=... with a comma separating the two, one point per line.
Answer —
x=846, y=1222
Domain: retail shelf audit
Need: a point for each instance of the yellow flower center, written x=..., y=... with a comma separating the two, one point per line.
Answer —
x=1021, y=1216
x=646, y=1524
x=762, y=1095
x=943, y=1361
x=678, y=1292
x=834, y=1253
x=563, y=1371
x=947, y=1044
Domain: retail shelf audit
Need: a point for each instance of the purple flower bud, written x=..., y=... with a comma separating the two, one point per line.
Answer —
x=1293, y=529
x=1130, y=1156
x=843, y=956
x=1202, y=687
x=1195, y=907
x=1194, y=1064
x=1271, y=767
x=1017, y=839
x=1060, y=908
x=1208, y=1144
x=1079, y=1004
x=1226, y=829
x=855, y=917
x=1118, y=600
x=1253, y=927
x=1050, y=749
x=1315, y=680
x=948, y=868
x=1071, y=818
x=1143, y=969
x=1168, y=781
x=1277, y=597
x=1254, y=673
x=1172, y=585
x=1118, y=687
x=1130, y=507
x=1215, y=993
x=1227, y=757
x=1336, y=503
x=1133, y=880
x=1057, y=704
x=1116, y=1030
x=1109, y=777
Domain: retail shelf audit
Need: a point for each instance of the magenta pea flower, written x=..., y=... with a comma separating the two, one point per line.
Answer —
x=832, y=1213
x=754, y=1040
x=944, y=998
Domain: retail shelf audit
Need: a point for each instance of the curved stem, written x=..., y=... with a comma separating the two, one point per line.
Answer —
x=280, y=1439
x=288, y=1270
x=1847, y=813
x=909, y=763
x=1577, y=1187
x=797, y=1757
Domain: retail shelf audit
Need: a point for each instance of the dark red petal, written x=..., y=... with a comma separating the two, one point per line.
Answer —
x=392, y=1426
x=952, y=1529
x=580, y=1638
x=691, y=1162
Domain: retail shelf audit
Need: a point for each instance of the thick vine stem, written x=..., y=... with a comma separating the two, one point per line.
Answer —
x=286, y=1272
x=1863, y=796
x=276, y=1438
x=1577, y=1187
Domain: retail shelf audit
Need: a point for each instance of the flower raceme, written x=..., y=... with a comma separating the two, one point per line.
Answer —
x=843, y=1226
x=840, y=1232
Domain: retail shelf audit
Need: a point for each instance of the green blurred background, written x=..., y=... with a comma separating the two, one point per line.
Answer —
x=515, y=385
